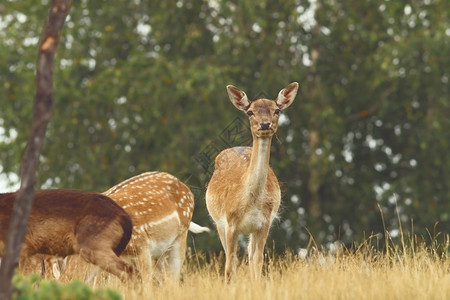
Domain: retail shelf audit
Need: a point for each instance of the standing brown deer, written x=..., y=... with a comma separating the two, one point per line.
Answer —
x=65, y=222
x=161, y=208
x=243, y=195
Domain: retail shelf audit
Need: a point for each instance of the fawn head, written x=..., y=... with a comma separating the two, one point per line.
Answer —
x=263, y=113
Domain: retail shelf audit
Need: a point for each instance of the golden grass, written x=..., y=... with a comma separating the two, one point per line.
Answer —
x=363, y=274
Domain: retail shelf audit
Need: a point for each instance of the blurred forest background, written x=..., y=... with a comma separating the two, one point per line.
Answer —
x=140, y=86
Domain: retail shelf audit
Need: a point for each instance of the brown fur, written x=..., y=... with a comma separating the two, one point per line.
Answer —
x=161, y=208
x=149, y=198
x=243, y=195
x=66, y=222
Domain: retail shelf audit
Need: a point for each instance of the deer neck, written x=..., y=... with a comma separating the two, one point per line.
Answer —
x=258, y=167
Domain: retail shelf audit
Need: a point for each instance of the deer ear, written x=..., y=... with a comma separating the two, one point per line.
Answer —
x=238, y=98
x=287, y=95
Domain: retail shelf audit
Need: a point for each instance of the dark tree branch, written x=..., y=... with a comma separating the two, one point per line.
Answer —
x=43, y=102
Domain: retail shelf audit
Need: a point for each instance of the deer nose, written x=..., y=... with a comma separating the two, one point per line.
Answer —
x=264, y=126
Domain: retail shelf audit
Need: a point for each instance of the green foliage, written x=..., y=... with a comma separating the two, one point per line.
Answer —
x=34, y=288
x=140, y=86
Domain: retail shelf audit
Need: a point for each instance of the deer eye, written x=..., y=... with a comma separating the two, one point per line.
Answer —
x=250, y=113
x=277, y=111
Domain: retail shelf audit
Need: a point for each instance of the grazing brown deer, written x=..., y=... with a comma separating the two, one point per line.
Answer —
x=243, y=195
x=161, y=208
x=65, y=222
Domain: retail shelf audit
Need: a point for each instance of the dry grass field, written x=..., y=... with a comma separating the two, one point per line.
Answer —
x=399, y=273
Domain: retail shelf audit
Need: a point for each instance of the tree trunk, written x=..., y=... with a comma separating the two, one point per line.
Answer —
x=41, y=116
x=314, y=139
x=314, y=176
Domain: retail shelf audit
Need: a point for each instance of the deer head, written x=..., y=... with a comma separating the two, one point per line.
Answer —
x=263, y=113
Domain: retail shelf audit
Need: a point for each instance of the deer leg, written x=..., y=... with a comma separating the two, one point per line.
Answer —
x=251, y=248
x=231, y=249
x=108, y=261
x=72, y=267
x=174, y=257
x=256, y=246
x=100, y=253
x=221, y=232
x=30, y=262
